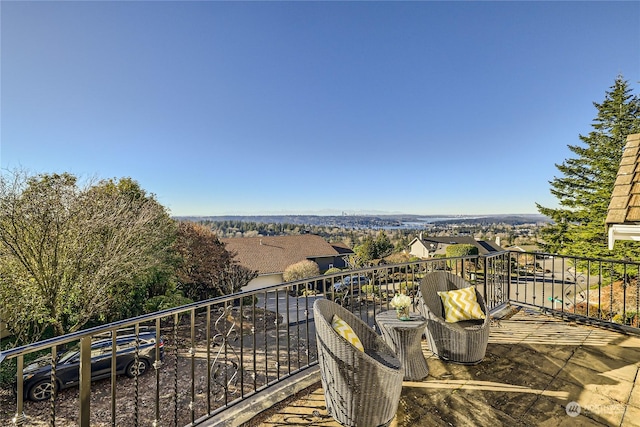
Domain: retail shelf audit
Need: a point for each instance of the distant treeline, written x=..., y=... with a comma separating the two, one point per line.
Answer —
x=379, y=221
x=349, y=236
x=353, y=236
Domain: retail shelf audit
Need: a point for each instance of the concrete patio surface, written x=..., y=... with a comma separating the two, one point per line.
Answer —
x=538, y=371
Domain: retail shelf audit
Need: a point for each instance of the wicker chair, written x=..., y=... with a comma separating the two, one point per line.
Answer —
x=462, y=342
x=360, y=388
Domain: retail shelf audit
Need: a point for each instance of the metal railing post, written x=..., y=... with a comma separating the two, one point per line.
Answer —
x=485, y=267
x=85, y=381
x=20, y=417
x=507, y=259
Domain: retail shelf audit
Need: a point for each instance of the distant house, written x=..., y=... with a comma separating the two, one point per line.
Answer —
x=271, y=255
x=623, y=216
x=428, y=247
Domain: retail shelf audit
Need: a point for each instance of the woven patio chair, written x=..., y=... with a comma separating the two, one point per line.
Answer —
x=360, y=388
x=461, y=342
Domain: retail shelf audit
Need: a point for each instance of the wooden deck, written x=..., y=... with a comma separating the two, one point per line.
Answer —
x=538, y=371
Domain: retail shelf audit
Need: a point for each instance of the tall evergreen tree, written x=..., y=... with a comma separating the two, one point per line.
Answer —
x=585, y=187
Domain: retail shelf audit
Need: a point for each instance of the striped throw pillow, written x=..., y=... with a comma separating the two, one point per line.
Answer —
x=344, y=330
x=461, y=304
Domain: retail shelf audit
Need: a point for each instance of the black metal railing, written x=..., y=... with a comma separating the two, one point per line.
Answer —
x=211, y=355
x=605, y=292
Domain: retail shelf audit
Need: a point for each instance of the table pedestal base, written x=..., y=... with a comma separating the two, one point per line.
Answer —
x=404, y=336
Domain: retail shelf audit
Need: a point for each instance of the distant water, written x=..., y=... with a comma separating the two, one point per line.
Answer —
x=433, y=219
x=425, y=222
x=407, y=225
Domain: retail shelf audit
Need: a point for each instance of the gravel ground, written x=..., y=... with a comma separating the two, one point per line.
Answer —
x=173, y=406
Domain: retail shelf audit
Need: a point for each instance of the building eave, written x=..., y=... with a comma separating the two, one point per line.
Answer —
x=623, y=232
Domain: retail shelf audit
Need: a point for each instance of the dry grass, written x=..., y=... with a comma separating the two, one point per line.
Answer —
x=611, y=302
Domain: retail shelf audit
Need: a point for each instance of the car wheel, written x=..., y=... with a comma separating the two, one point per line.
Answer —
x=139, y=369
x=41, y=391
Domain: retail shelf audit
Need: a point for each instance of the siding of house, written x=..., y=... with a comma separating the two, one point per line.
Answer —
x=418, y=249
x=327, y=262
x=263, y=281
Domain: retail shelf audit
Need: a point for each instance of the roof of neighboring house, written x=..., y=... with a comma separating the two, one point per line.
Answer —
x=273, y=254
x=524, y=248
x=624, y=207
x=342, y=248
x=484, y=247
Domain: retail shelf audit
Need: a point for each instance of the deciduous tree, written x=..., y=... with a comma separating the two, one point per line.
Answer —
x=203, y=258
x=234, y=276
x=65, y=248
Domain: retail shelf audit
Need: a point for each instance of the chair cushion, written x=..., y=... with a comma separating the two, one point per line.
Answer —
x=344, y=330
x=461, y=304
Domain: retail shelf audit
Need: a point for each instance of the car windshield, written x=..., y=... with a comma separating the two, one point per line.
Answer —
x=70, y=353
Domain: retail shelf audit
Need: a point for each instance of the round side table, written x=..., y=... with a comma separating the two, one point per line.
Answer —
x=404, y=337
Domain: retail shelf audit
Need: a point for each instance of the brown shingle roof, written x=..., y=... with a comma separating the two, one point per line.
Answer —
x=273, y=254
x=342, y=248
x=624, y=207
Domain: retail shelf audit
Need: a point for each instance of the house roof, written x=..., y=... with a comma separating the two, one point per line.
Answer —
x=524, y=248
x=623, y=216
x=624, y=207
x=484, y=247
x=489, y=245
x=273, y=254
x=342, y=248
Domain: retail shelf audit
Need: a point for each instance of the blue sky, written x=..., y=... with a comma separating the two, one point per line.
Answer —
x=312, y=107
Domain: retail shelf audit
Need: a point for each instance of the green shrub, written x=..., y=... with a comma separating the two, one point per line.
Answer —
x=301, y=270
x=164, y=302
x=334, y=296
x=630, y=318
x=409, y=286
x=249, y=300
x=370, y=289
x=461, y=250
x=9, y=367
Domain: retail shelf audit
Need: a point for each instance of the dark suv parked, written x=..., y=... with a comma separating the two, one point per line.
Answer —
x=37, y=375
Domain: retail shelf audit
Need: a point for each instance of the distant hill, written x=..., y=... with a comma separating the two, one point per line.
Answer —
x=514, y=219
x=378, y=221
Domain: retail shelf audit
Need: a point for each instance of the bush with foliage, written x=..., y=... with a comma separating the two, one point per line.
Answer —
x=332, y=270
x=409, y=287
x=399, y=258
x=370, y=289
x=301, y=270
x=630, y=318
x=173, y=298
x=373, y=249
x=459, y=250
